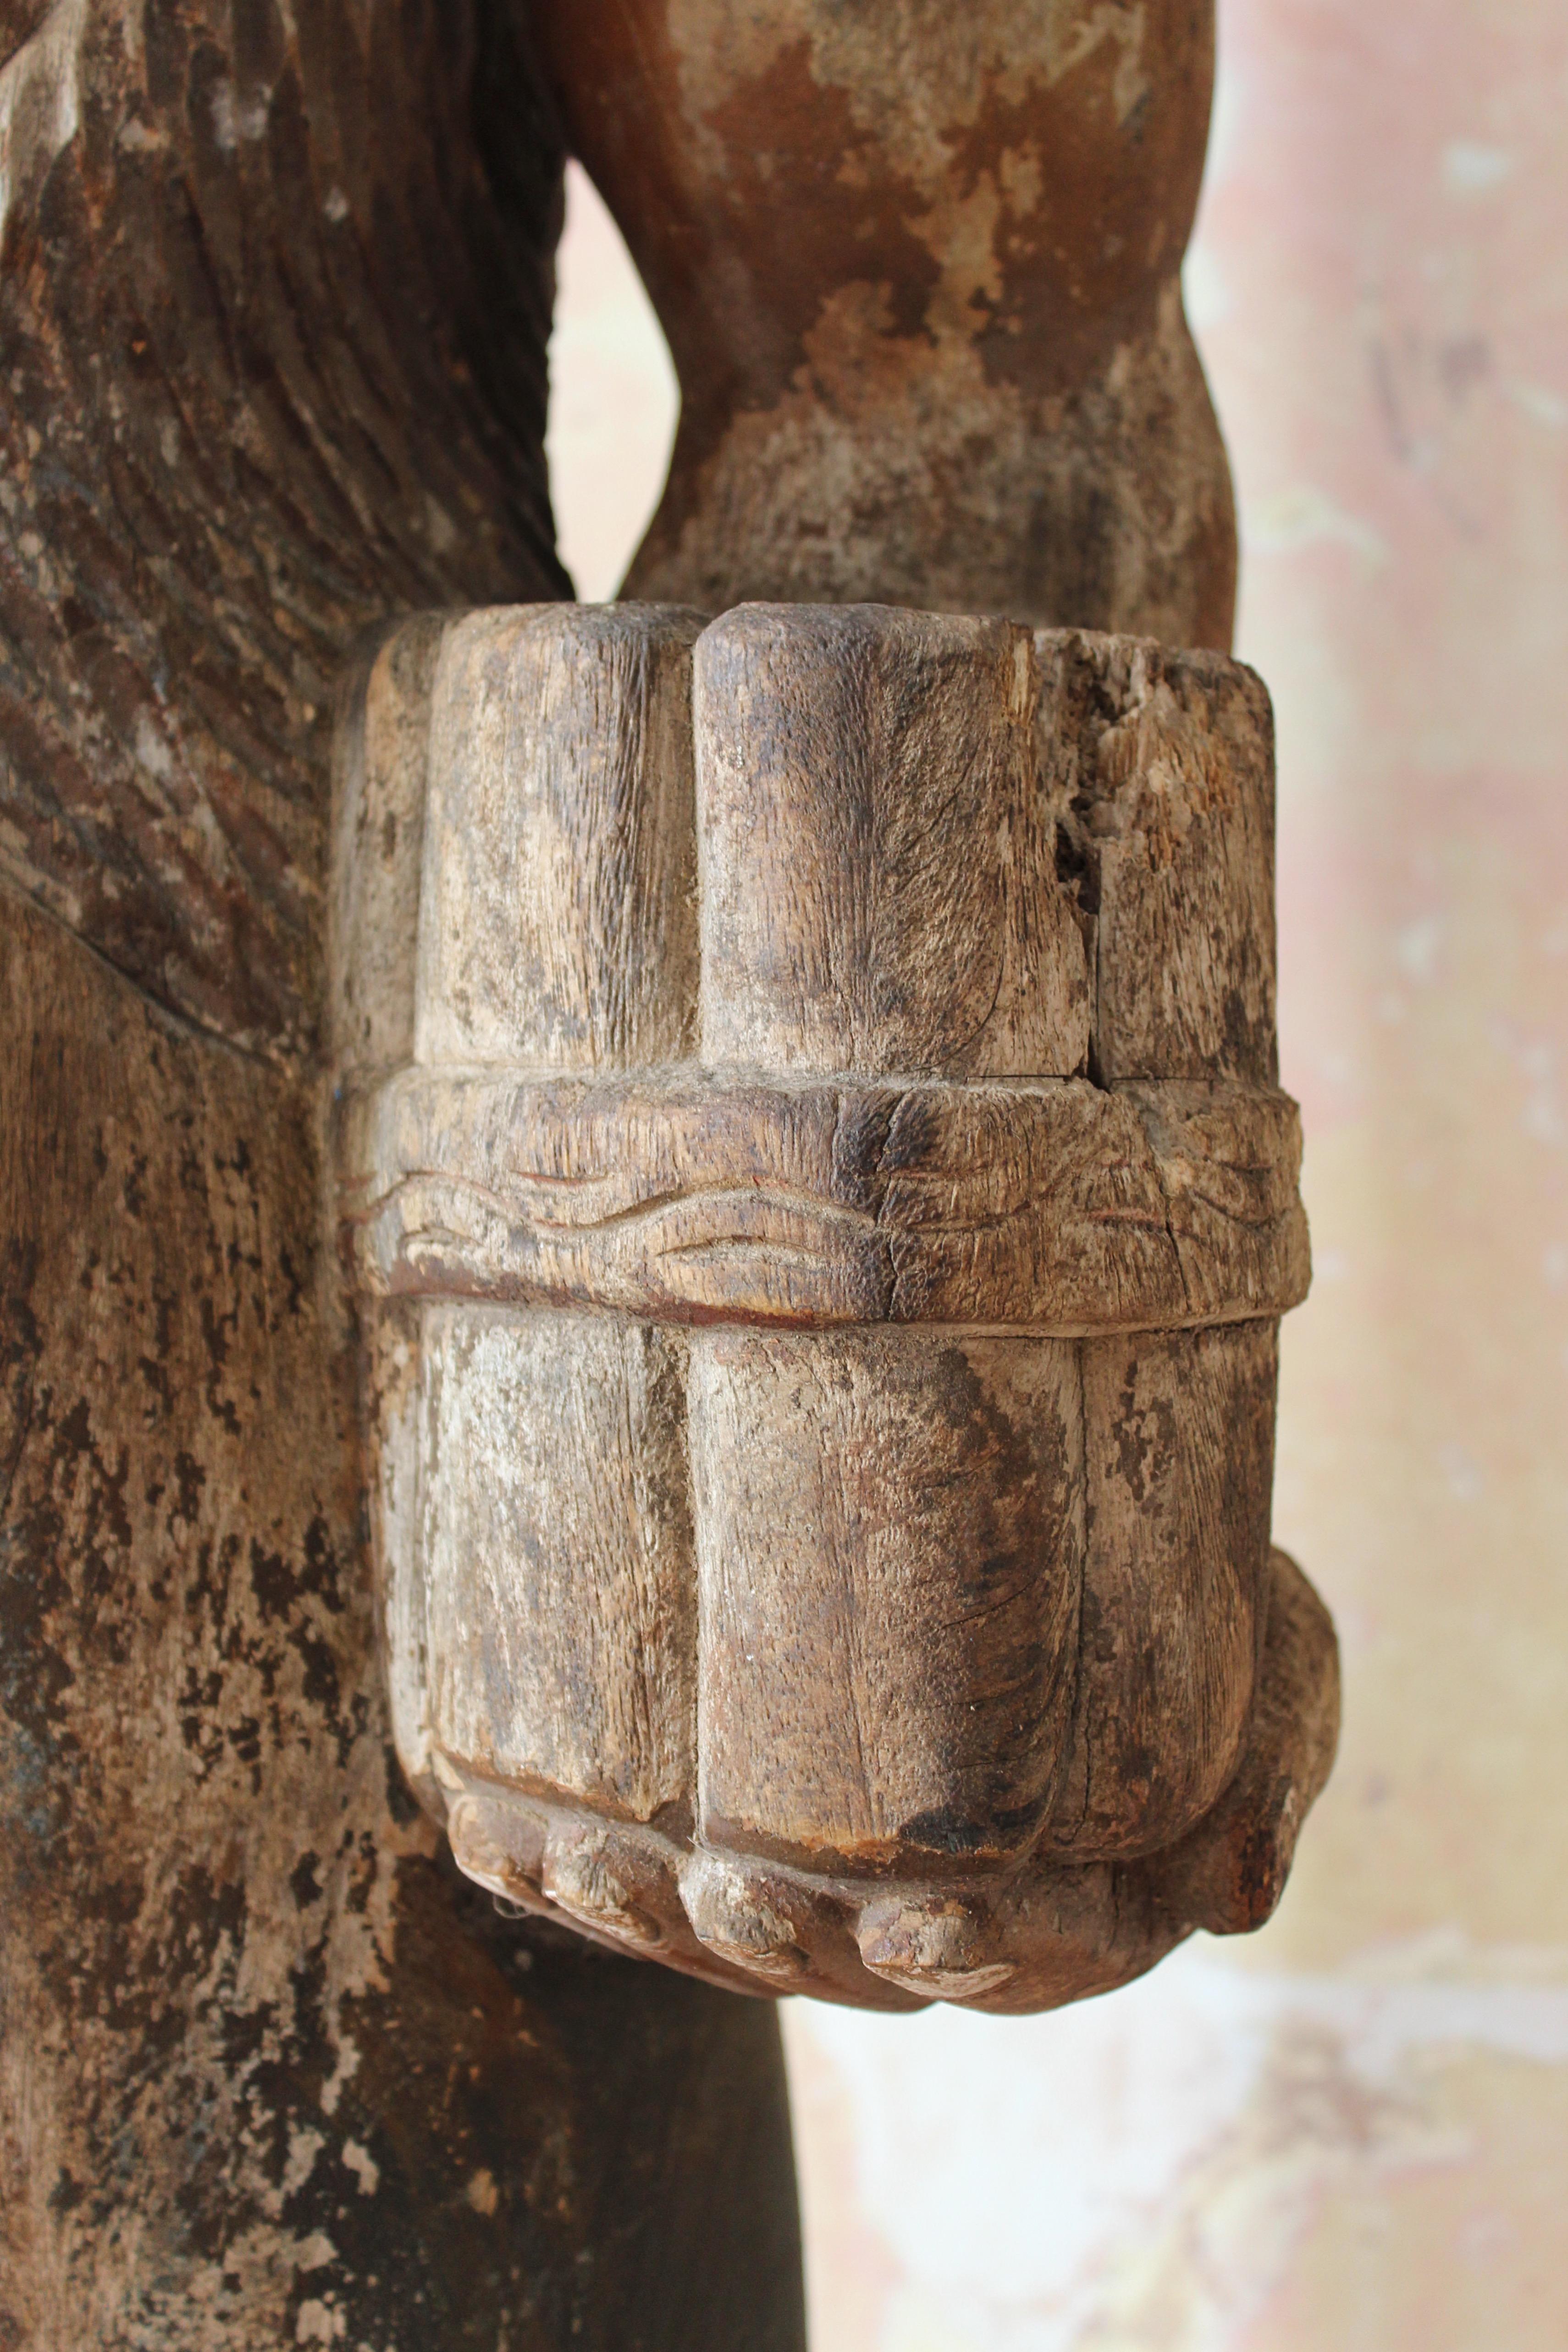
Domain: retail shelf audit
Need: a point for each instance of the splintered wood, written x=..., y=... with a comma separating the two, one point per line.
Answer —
x=813, y=1169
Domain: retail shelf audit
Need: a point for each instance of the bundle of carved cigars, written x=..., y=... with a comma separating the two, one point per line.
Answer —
x=820, y=1202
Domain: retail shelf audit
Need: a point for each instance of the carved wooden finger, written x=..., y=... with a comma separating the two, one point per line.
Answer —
x=1161, y=767
x=879, y=883
x=1229, y=1873
x=556, y=1549
x=1178, y=1468
x=558, y=926
x=810, y=1157
x=889, y=1550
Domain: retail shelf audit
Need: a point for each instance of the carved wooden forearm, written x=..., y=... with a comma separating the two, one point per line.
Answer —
x=812, y=1161
x=920, y=270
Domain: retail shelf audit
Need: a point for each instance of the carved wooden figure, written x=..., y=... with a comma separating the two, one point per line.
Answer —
x=274, y=295
x=813, y=1161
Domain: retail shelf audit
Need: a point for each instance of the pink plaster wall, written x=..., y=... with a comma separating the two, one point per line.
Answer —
x=1383, y=258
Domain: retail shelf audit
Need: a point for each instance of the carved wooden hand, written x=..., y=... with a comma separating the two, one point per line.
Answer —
x=813, y=1159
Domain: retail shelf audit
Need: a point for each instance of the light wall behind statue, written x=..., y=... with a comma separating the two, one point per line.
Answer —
x=614, y=400
x=1352, y=2134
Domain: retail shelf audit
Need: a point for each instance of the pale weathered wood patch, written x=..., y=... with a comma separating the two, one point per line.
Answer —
x=555, y=1529
x=557, y=924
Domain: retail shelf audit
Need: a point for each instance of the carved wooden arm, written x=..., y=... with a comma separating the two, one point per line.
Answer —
x=920, y=268
x=815, y=1170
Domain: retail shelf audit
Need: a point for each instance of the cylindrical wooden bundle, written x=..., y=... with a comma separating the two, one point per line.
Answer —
x=813, y=1168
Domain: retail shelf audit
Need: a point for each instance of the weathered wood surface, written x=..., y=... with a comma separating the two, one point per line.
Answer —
x=890, y=1559
x=824, y=1470
x=570, y=1664
x=561, y=926
x=276, y=290
x=880, y=891
x=920, y=270
x=1229, y=1875
x=927, y=849
x=276, y=283
x=1032, y=1939
x=1179, y=1471
x=267, y=2075
x=1168, y=813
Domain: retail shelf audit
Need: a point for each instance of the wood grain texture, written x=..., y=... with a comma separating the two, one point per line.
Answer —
x=381, y=763
x=265, y=2063
x=879, y=885
x=1229, y=1873
x=749, y=1926
x=555, y=1526
x=1041, y=1939
x=557, y=903
x=889, y=1553
x=1179, y=1455
x=1160, y=766
x=1058, y=1207
x=275, y=294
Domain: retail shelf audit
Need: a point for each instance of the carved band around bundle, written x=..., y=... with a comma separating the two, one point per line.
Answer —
x=810, y=1158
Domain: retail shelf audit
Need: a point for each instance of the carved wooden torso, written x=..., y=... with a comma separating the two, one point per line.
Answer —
x=813, y=1164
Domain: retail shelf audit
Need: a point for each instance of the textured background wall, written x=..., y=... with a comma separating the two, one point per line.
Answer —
x=1350, y=2134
